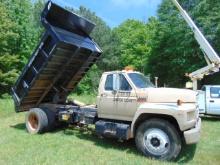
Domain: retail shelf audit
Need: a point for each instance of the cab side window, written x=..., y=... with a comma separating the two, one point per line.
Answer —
x=109, y=83
x=123, y=83
x=215, y=92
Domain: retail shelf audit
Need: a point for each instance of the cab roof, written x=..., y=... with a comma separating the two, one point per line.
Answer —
x=122, y=71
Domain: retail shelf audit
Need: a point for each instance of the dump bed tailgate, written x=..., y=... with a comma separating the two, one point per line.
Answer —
x=64, y=55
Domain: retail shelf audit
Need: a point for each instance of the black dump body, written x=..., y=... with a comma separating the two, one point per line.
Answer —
x=64, y=55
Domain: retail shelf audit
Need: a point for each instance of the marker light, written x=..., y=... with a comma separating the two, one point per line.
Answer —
x=179, y=102
x=129, y=68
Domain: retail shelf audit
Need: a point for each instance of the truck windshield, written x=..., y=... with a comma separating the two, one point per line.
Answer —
x=140, y=81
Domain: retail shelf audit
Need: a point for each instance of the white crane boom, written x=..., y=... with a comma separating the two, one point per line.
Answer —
x=210, y=55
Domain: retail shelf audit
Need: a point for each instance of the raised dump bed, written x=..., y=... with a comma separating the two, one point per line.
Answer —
x=64, y=55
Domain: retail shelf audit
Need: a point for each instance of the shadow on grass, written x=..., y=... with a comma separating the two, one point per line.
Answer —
x=186, y=155
x=89, y=134
x=20, y=126
x=211, y=118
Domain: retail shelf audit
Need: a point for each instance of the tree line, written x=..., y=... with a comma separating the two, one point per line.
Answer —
x=163, y=46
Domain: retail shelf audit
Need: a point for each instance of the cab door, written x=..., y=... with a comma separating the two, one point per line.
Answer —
x=106, y=98
x=126, y=99
x=214, y=101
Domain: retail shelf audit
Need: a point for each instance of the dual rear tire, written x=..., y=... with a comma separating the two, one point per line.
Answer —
x=40, y=120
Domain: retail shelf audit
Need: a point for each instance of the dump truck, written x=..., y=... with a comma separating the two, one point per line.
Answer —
x=161, y=120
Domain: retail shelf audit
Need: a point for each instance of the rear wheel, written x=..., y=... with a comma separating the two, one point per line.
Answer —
x=53, y=122
x=36, y=121
x=158, y=139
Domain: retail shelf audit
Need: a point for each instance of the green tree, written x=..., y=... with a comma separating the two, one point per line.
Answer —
x=19, y=33
x=38, y=7
x=133, y=46
x=174, y=51
x=8, y=59
x=21, y=13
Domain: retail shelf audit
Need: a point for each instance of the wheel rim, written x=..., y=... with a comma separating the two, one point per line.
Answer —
x=156, y=141
x=33, y=122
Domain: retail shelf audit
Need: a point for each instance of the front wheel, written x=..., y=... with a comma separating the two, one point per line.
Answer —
x=159, y=139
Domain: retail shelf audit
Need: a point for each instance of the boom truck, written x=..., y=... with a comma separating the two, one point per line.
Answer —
x=209, y=103
x=161, y=120
x=210, y=54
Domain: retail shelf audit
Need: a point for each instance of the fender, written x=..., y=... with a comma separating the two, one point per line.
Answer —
x=168, y=109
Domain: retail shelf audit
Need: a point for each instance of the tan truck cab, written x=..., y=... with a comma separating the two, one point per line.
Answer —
x=130, y=96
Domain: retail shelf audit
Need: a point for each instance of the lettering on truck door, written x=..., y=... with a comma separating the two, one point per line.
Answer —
x=107, y=106
x=126, y=99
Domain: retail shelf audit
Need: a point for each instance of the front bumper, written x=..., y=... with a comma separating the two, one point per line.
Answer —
x=192, y=136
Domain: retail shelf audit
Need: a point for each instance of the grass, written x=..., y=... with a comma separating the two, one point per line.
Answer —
x=75, y=146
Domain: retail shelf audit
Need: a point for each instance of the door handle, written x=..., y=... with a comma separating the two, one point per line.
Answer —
x=211, y=101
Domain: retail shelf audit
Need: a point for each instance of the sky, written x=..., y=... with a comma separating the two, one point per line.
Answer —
x=114, y=12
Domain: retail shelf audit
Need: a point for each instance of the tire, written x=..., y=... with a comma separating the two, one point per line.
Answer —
x=36, y=121
x=53, y=123
x=158, y=139
x=51, y=116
